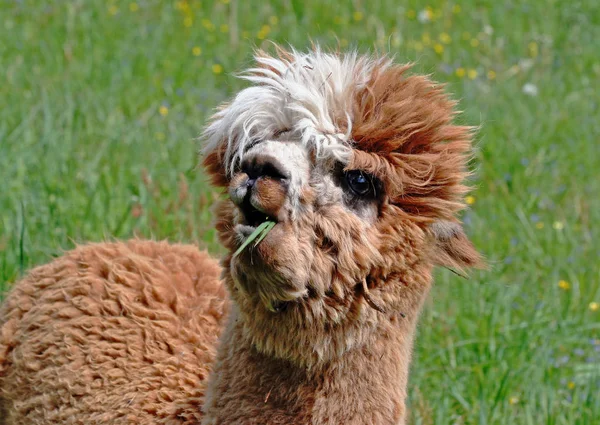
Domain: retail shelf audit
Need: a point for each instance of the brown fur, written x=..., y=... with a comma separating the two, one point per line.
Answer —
x=125, y=333
x=340, y=353
x=405, y=136
x=111, y=333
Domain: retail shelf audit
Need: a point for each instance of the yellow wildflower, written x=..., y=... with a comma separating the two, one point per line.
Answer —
x=133, y=7
x=470, y=200
x=264, y=32
x=460, y=72
x=439, y=49
x=456, y=8
x=571, y=385
x=594, y=306
x=196, y=51
x=472, y=74
x=358, y=16
x=217, y=68
x=445, y=38
x=474, y=42
x=533, y=49
x=539, y=225
x=513, y=400
x=224, y=28
x=225, y=1
x=113, y=9
x=206, y=23
x=558, y=225
x=188, y=21
x=182, y=5
x=491, y=75
x=564, y=285
x=160, y=136
x=163, y=110
x=426, y=39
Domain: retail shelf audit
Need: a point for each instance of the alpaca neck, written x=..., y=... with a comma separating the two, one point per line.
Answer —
x=365, y=385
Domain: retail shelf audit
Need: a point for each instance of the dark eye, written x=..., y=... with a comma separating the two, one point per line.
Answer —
x=361, y=183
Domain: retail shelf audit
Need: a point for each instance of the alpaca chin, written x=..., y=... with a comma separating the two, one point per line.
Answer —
x=268, y=272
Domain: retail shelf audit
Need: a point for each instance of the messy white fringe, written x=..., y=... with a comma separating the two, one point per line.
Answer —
x=305, y=95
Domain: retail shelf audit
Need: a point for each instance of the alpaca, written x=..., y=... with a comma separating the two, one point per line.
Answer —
x=361, y=168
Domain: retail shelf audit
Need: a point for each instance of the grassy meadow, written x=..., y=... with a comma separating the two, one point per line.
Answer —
x=101, y=103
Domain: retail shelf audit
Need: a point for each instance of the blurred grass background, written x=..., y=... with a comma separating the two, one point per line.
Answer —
x=101, y=102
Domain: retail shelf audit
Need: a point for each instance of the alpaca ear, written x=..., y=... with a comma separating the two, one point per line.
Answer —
x=212, y=160
x=452, y=248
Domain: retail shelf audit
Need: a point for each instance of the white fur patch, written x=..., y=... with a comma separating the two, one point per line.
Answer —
x=292, y=158
x=305, y=96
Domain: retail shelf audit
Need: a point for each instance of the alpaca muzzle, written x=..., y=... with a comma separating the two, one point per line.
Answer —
x=270, y=175
x=260, y=197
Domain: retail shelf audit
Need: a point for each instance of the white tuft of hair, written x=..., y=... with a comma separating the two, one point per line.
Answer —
x=305, y=95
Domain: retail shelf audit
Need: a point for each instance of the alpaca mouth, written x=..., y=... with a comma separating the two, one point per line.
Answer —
x=253, y=217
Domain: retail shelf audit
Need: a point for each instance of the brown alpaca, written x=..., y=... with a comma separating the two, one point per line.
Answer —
x=361, y=168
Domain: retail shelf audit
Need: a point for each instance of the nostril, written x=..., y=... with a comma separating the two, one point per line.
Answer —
x=274, y=170
x=263, y=166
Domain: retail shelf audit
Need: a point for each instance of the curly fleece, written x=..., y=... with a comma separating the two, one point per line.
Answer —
x=111, y=333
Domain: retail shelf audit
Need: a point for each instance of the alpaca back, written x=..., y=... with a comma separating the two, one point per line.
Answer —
x=111, y=333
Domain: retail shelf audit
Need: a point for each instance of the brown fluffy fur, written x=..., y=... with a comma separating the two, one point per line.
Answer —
x=124, y=333
x=405, y=136
x=111, y=333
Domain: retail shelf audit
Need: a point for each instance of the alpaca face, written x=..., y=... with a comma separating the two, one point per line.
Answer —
x=320, y=210
x=361, y=169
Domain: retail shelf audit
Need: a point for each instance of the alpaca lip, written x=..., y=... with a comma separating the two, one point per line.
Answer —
x=253, y=217
x=244, y=230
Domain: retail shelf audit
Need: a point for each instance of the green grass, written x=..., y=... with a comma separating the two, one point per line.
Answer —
x=87, y=153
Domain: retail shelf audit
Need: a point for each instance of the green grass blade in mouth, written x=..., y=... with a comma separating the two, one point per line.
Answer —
x=260, y=232
x=265, y=231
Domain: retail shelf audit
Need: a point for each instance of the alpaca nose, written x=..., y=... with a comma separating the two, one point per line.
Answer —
x=260, y=190
x=272, y=175
x=261, y=166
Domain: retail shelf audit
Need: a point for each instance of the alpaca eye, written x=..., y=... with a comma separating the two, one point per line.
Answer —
x=360, y=183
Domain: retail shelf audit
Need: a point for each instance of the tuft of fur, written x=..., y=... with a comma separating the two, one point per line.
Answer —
x=310, y=94
x=111, y=333
x=404, y=134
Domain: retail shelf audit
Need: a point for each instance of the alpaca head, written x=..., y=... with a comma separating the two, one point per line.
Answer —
x=362, y=169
